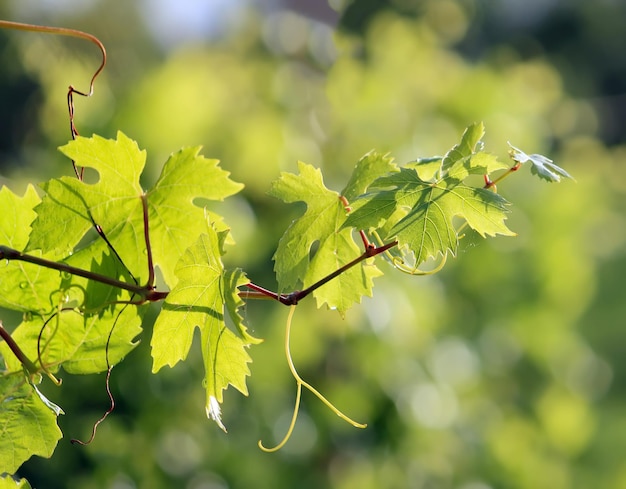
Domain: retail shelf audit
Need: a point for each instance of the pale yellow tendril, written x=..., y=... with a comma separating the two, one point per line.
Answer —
x=41, y=349
x=299, y=384
x=399, y=264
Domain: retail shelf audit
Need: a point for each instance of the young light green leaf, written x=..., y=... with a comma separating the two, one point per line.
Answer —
x=17, y=215
x=347, y=289
x=428, y=169
x=27, y=425
x=73, y=338
x=102, y=326
x=76, y=341
x=67, y=209
x=368, y=168
x=468, y=157
x=541, y=166
x=324, y=209
x=233, y=280
x=470, y=139
x=199, y=300
x=196, y=302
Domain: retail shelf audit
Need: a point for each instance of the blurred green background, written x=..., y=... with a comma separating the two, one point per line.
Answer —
x=506, y=370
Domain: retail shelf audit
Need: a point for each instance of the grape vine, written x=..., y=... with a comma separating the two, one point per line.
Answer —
x=84, y=295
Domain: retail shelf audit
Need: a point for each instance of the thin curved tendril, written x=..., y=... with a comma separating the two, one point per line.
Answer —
x=299, y=384
x=64, y=31
x=94, y=429
x=76, y=441
x=398, y=263
x=40, y=350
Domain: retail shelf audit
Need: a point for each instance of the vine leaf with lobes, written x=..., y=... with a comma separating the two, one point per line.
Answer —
x=323, y=223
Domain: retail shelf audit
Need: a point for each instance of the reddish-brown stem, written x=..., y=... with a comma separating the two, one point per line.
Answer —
x=148, y=294
x=492, y=183
x=76, y=441
x=345, y=203
x=262, y=292
x=146, y=235
x=370, y=251
x=296, y=296
x=17, y=351
x=366, y=242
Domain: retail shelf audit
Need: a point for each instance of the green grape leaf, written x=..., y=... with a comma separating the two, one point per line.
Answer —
x=27, y=423
x=174, y=219
x=201, y=297
x=455, y=163
x=346, y=289
x=368, y=168
x=24, y=287
x=76, y=341
x=417, y=205
x=322, y=224
x=323, y=209
x=470, y=140
x=70, y=206
x=17, y=215
x=233, y=279
x=106, y=327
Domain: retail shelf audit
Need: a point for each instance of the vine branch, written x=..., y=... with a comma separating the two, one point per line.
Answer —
x=17, y=351
x=296, y=296
x=146, y=292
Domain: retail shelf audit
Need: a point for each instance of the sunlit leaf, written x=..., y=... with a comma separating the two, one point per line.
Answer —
x=23, y=286
x=8, y=482
x=322, y=224
x=27, y=425
x=200, y=300
x=66, y=211
x=70, y=207
x=175, y=221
